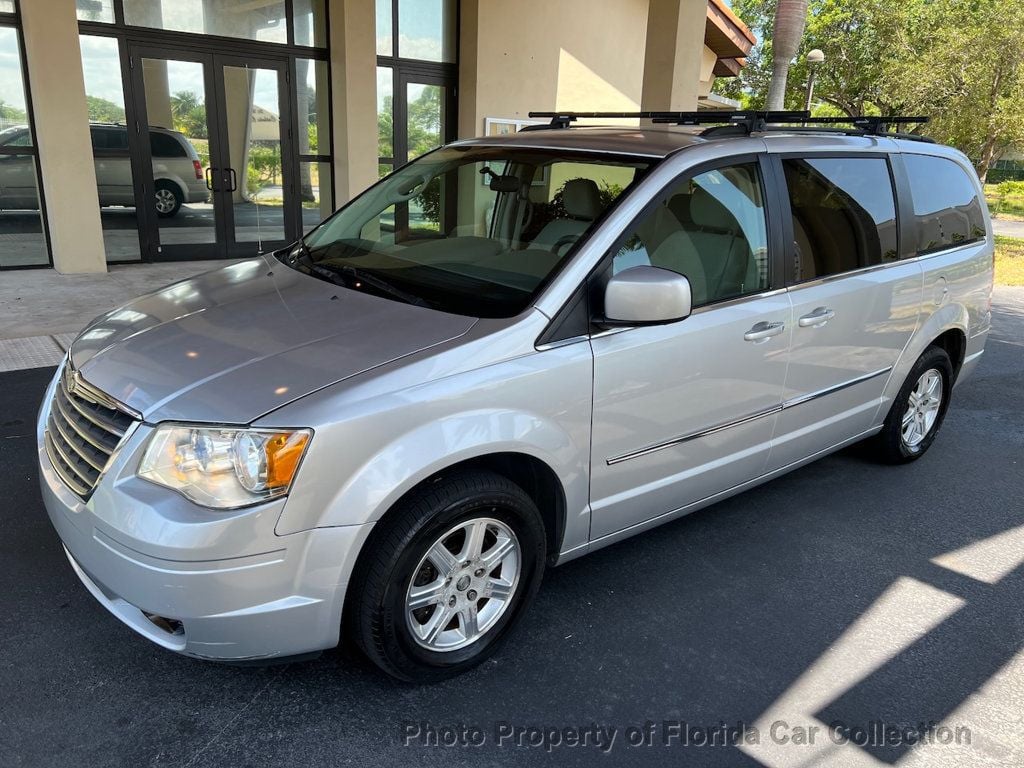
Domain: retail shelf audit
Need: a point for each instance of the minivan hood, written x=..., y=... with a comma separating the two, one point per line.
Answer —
x=231, y=345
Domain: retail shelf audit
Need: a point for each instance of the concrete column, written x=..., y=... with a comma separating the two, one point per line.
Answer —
x=675, y=48
x=54, y=62
x=354, y=111
x=469, y=46
x=158, y=93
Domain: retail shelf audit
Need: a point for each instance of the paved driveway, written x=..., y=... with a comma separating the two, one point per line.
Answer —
x=845, y=592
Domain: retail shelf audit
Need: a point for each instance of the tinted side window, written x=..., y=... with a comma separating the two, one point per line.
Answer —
x=946, y=207
x=109, y=138
x=844, y=214
x=162, y=145
x=710, y=228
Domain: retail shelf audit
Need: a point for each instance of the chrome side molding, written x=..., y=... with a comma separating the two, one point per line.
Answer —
x=746, y=419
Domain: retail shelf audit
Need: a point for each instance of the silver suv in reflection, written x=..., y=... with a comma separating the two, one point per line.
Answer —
x=507, y=354
x=178, y=173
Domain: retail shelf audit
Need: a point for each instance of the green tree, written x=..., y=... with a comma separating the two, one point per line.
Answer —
x=104, y=111
x=189, y=114
x=958, y=62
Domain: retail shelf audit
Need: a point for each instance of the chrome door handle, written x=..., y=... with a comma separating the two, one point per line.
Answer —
x=763, y=331
x=817, y=318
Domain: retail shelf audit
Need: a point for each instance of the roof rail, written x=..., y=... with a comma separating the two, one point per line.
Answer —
x=746, y=121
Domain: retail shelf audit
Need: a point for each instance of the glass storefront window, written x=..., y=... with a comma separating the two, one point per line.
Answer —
x=426, y=30
x=22, y=241
x=263, y=21
x=95, y=10
x=385, y=27
x=7, y=6
x=104, y=94
x=310, y=20
x=313, y=103
x=317, y=195
x=385, y=113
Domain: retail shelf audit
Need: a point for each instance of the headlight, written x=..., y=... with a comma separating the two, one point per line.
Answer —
x=224, y=468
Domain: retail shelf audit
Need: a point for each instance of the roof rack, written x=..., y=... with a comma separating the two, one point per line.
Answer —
x=746, y=121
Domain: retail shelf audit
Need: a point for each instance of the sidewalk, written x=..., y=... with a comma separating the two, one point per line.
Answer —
x=41, y=310
x=1008, y=228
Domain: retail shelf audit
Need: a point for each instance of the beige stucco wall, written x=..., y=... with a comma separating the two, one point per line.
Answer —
x=543, y=55
x=54, y=64
x=354, y=109
x=580, y=55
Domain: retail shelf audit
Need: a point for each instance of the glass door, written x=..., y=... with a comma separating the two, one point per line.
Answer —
x=424, y=119
x=214, y=159
x=256, y=176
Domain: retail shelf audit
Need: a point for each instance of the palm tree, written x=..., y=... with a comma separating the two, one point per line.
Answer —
x=790, y=17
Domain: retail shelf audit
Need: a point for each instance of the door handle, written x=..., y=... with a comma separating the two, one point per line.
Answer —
x=209, y=178
x=763, y=331
x=817, y=318
x=234, y=180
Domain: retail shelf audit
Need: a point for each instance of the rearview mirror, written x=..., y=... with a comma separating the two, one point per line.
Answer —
x=646, y=296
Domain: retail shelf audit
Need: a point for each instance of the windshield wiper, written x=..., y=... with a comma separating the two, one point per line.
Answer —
x=382, y=285
x=348, y=274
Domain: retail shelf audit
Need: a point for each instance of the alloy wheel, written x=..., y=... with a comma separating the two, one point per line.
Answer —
x=922, y=408
x=463, y=584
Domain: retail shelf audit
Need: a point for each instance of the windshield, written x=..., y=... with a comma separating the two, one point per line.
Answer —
x=470, y=230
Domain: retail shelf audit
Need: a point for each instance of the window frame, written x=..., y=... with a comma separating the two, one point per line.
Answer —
x=766, y=177
x=13, y=21
x=786, y=213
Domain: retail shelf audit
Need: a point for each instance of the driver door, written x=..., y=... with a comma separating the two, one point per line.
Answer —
x=686, y=410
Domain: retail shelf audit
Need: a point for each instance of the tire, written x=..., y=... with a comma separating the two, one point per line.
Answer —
x=167, y=198
x=892, y=444
x=443, y=513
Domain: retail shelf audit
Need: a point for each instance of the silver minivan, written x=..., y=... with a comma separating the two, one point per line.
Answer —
x=178, y=173
x=509, y=353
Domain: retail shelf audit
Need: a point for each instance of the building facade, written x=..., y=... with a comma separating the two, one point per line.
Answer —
x=149, y=130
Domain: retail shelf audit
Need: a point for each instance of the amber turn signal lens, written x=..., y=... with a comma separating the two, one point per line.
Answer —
x=283, y=454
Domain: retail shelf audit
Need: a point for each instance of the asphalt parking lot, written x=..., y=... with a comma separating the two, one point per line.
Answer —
x=844, y=593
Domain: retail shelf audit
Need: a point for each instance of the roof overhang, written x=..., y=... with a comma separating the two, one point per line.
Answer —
x=728, y=37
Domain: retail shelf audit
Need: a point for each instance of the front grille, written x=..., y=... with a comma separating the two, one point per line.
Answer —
x=82, y=431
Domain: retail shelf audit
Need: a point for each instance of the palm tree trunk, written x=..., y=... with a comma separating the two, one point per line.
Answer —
x=790, y=18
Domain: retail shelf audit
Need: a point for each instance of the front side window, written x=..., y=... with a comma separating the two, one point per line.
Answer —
x=844, y=214
x=711, y=229
x=474, y=231
x=946, y=205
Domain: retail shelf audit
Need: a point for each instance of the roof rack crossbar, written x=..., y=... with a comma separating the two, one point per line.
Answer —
x=748, y=120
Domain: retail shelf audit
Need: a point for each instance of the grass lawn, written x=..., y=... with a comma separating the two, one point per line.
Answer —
x=1009, y=261
x=1005, y=206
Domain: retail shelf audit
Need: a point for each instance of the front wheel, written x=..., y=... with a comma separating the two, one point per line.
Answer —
x=447, y=575
x=918, y=410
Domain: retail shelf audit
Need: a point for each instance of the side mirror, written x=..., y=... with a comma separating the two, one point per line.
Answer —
x=646, y=296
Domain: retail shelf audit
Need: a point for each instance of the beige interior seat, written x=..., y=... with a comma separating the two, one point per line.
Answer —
x=582, y=201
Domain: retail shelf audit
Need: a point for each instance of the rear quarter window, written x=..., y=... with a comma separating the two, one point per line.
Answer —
x=947, y=211
x=163, y=145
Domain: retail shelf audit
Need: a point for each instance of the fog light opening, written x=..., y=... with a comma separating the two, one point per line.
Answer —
x=170, y=626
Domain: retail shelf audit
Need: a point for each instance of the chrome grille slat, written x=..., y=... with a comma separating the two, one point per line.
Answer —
x=97, y=420
x=81, y=432
x=57, y=463
x=92, y=462
x=71, y=463
x=83, y=429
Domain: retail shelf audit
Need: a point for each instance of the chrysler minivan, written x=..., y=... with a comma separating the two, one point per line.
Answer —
x=178, y=173
x=509, y=353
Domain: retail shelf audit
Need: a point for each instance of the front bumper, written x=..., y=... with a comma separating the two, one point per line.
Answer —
x=205, y=584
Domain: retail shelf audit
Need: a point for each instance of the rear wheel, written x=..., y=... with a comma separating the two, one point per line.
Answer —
x=447, y=575
x=918, y=410
x=167, y=198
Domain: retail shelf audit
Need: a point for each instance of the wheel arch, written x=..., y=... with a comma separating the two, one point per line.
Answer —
x=954, y=342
